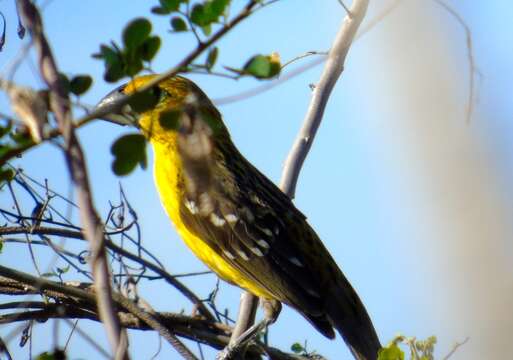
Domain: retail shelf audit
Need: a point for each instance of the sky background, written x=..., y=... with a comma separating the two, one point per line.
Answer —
x=413, y=201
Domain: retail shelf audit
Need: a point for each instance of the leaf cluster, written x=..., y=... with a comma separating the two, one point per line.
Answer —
x=139, y=47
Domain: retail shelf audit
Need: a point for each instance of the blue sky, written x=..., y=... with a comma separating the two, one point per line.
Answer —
x=411, y=200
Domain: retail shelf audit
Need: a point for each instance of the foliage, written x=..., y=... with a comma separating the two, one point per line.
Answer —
x=417, y=349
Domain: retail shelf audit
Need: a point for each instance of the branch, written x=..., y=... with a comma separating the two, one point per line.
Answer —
x=41, y=230
x=332, y=71
x=93, y=228
x=103, y=113
x=76, y=301
x=472, y=69
x=245, y=12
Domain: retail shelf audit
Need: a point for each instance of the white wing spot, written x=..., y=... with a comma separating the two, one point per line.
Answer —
x=231, y=218
x=296, y=261
x=257, y=251
x=216, y=220
x=191, y=205
x=229, y=254
x=263, y=243
x=243, y=255
x=205, y=204
x=276, y=230
x=267, y=232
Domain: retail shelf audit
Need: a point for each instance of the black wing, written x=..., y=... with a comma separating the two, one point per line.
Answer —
x=246, y=219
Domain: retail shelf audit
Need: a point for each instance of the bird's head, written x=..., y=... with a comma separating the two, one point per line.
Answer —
x=163, y=110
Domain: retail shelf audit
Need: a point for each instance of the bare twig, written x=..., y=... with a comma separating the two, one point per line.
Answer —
x=472, y=69
x=75, y=301
x=77, y=169
x=41, y=230
x=85, y=336
x=30, y=284
x=455, y=348
x=296, y=72
x=332, y=71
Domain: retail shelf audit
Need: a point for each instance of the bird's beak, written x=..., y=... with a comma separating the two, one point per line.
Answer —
x=111, y=110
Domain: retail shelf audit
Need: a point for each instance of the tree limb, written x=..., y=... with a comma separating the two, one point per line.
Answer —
x=77, y=301
x=292, y=167
x=93, y=228
x=332, y=70
x=74, y=234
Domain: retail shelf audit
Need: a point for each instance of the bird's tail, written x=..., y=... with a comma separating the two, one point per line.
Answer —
x=347, y=314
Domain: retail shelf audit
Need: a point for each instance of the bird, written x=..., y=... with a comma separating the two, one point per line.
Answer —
x=236, y=220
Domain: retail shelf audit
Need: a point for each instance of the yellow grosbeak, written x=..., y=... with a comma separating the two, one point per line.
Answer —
x=235, y=219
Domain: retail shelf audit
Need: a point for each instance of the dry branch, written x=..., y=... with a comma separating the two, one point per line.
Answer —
x=93, y=227
x=292, y=167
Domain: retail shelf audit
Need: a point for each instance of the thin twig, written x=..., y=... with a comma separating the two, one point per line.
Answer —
x=296, y=72
x=455, y=348
x=472, y=69
x=10, y=230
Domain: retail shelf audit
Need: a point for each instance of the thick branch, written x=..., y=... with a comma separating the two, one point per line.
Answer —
x=93, y=227
x=77, y=301
x=332, y=70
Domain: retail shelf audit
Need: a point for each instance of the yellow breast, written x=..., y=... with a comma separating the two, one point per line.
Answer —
x=168, y=175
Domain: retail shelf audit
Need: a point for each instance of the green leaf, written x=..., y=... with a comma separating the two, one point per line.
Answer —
x=64, y=82
x=217, y=8
x=212, y=58
x=208, y=13
x=259, y=66
x=107, y=53
x=21, y=137
x=262, y=66
x=1, y=246
x=114, y=63
x=170, y=5
x=6, y=175
x=58, y=354
x=136, y=32
x=178, y=24
x=114, y=72
x=149, y=48
x=391, y=352
x=146, y=100
x=4, y=149
x=207, y=30
x=198, y=15
x=159, y=10
x=4, y=130
x=80, y=84
x=128, y=150
x=63, y=270
x=134, y=67
x=297, y=348
x=170, y=120
x=45, y=356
